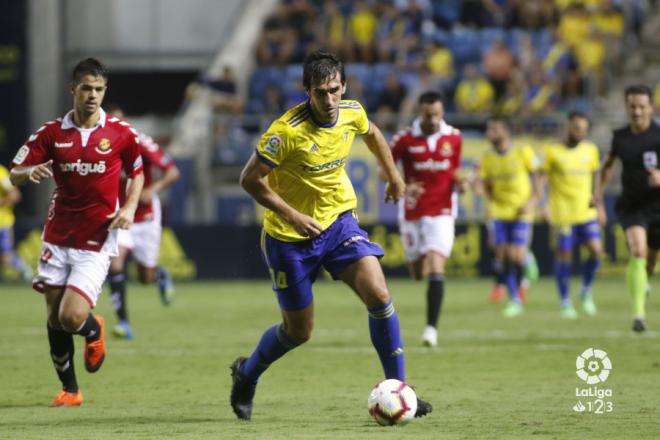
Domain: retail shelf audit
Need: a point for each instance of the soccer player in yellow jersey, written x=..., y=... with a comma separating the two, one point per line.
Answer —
x=310, y=223
x=570, y=169
x=504, y=176
x=9, y=196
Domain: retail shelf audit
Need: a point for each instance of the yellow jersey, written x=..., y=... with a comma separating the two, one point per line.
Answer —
x=308, y=161
x=508, y=175
x=570, y=174
x=6, y=212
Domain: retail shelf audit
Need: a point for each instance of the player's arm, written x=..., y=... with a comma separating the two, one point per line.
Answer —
x=604, y=177
x=169, y=176
x=378, y=146
x=20, y=175
x=252, y=180
x=123, y=218
x=533, y=197
x=540, y=182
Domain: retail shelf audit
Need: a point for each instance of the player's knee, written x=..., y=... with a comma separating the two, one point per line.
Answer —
x=378, y=297
x=54, y=321
x=299, y=332
x=71, y=320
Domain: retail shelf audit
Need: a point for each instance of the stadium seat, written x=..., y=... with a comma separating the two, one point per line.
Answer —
x=446, y=12
x=465, y=45
x=488, y=35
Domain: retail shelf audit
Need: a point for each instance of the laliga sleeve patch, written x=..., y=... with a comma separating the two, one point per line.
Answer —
x=273, y=145
x=21, y=155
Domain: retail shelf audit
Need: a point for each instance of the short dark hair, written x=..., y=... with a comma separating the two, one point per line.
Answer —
x=89, y=66
x=321, y=65
x=578, y=114
x=638, y=89
x=431, y=96
x=499, y=119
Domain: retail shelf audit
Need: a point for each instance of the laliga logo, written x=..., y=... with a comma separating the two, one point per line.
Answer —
x=593, y=366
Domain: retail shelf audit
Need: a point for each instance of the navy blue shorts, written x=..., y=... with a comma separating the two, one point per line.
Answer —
x=514, y=232
x=581, y=233
x=6, y=240
x=294, y=266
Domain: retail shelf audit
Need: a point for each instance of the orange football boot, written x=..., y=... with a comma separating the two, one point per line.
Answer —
x=65, y=398
x=95, y=350
x=497, y=294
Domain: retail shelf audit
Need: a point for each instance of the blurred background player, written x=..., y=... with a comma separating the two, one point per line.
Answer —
x=310, y=223
x=9, y=196
x=570, y=169
x=142, y=240
x=637, y=147
x=430, y=154
x=504, y=178
x=85, y=152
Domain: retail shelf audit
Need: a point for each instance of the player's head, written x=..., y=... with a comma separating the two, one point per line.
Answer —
x=431, y=111
x=577, y=128
x=324, y=81
x=639, y=106
x=88, y=85
x=498, y=131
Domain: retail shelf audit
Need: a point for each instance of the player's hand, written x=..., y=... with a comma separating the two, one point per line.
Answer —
x=545, y=214
x=414, y=190
x=305, y=225
x=601, y=215
x=122, y=219
x=654, y=177
x=395, y=189
x=41, y=172
x=146, y=196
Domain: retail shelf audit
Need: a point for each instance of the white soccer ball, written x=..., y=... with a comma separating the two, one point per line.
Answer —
x=392, y=402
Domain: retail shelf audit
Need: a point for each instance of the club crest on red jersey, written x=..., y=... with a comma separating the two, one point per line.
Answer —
x=446, y=149
x=104, y=146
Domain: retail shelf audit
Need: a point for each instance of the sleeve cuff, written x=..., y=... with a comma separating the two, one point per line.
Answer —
x=265, y=160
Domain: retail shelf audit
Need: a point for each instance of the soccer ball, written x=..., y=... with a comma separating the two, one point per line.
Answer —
x=392, y=402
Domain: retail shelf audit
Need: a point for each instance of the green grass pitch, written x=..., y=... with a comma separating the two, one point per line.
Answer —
x=490, y=378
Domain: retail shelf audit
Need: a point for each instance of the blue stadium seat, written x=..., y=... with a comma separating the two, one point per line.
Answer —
x=446, y=12
x=488, y=35
x=465, y=45
x=515, y=35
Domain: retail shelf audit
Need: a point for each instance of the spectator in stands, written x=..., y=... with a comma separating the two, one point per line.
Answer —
x=362, y=25
x=535, y=14
x=574, y=25
x=541, y=96
x=273, y=102
x=474, y=93
x=224, y=96
x=391, y=30
x=609, y=22
x=498, y=64
x=415, y=12
x=425, y=81
x=277, y=43
x=392, y=95
x=355, y=89
x=440, y=60
x=526, y=54
x=512, y=101
x=333, y=30
x=410, y=53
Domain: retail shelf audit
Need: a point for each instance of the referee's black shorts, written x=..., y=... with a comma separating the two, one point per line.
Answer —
x=645, y=215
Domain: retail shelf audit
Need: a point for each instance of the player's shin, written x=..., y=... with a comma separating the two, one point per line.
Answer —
x=434, y=297
x=90, y=329
x=563, y=279
x=61, y=352
x=590, y=268
x=386, y=338
x=637, y=280
x=273, y=345
x=117, y=282
x=511, y=280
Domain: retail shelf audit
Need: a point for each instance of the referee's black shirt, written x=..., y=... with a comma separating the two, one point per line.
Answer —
x=637, y=152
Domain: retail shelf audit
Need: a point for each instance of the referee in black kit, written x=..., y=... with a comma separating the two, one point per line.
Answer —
x=637, y=146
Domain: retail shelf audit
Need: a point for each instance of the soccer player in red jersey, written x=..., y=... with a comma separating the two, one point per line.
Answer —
x=430, y=153
x=85, y=152
x=142, y=239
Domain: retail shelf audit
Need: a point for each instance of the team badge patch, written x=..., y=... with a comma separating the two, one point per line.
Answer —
x=104, y=146
x=21, y=154
x=273, y=145
x=446, y=149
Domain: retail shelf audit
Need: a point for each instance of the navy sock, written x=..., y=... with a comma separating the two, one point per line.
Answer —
x=434, y=297
x=118, y=294
x=90, y=329
x=386, y=338
x=563, y=278
x=590, y=268
x=498, y=271
x=61, y=352
x=511, y=281
x=273, y=345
